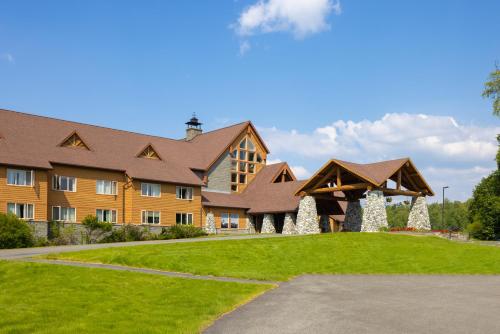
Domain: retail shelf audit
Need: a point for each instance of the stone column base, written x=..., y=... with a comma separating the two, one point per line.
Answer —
x=268, y=224
x=419, y=214
x=289, y=224
x=210, y=224
x=307, y=218
x=353, y=217
x=374, y=214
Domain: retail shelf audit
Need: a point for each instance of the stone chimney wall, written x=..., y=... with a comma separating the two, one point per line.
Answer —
x=192, y=133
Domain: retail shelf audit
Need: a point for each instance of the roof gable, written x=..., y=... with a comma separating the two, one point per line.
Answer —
x=75, y=141
x=149, y=153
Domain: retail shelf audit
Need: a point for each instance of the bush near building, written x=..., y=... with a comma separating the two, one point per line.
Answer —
x=14, y=232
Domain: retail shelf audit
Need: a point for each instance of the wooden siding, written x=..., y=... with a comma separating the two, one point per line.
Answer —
x=85, y=199
x=36, y=194
x=242, y=224
x=167, y=204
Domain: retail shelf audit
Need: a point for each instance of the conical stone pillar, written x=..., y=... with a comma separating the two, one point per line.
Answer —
x=268, y=224
x=210, y=224
x=307, y=218
x=374, y=214
x=289, y=224
x=353, y=216
x=250, y=225
x=419, y=214
x=324, y=222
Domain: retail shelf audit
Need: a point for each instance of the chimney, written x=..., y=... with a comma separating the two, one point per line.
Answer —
x=193, y=128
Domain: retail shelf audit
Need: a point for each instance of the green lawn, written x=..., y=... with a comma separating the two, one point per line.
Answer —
x=283, y=258
x=43, y=298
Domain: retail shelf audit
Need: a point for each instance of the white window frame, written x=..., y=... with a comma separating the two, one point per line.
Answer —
x=60, y=209
x=110, y=212
x=184, y=221
x=234, y=216
x=145, y=215
x=225, y=217
x=149, y=186
x=56, y=180
x=114, y=188
x=189, y=193
x=24, y=211
x=32, y=175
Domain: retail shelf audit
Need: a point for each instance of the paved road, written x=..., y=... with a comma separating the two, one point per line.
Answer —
x=371, y=304
x=19, y=253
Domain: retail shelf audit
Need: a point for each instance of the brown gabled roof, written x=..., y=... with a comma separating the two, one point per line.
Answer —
x=377, y=172
x=223, y=200
x=33, y=141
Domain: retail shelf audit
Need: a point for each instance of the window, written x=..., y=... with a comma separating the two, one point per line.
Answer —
x=63, y=214
x=243, y=178
x=19, y=177
x=234, y=165
x=234, y=187
x=106, y=215
x=243, y=167
x=250, y=145
x=64, y=183
x=243, y=155
x=184, y=218
x=150, y=189
x=229, y=220
x=251, y=168
x=184, y=193
x=150, y=217
x=251, y=156
x=224, y=220
x=105, y=187
x=243, y=144
x=21, y=210
x=245, y=160
x=234, y=177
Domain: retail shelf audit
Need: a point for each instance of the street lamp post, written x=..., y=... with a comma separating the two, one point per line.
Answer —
x=442, y=209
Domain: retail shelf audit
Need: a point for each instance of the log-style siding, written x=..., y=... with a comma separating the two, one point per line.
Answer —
x=36, y=194
x=218, y=213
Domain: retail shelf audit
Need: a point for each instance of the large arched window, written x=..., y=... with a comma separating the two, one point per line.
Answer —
x=244, y=160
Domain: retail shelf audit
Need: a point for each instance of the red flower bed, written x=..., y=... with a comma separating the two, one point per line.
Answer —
x=400, y=229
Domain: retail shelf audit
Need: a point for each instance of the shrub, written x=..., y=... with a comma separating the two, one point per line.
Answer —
x=95, y=229
x=127, y=233
x=182, y=232
x=14, y=232
x=63, y=235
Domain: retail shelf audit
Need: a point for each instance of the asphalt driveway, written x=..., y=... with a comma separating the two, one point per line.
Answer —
x=371, y=304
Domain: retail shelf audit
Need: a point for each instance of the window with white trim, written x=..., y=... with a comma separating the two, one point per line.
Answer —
x=151, y=217
x=60, y=213
x=22, y=210
x=64, y=183
x=184, y=218
x=150, y=189
x=20, y=177
x=229, y=220
x=105, y=187
x=106, y=215
x=184, y=192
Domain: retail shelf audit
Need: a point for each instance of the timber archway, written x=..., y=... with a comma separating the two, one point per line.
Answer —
x=347, y=181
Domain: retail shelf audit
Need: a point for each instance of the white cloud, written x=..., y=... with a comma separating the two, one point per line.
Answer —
x=300, y=17
x=244, y=47
x=7, y=57
x=446, y=151
x=300, y=172
x=392, y=136
x=273, y=161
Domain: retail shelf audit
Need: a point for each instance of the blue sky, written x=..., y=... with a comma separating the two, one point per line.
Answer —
x=294, y=67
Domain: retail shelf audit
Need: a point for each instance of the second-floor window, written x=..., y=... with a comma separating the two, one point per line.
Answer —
x=184, y=193
x=150, y=189
x=22, y=210
x=105, y=187
x=106, y=215
x=63, y=214
x=64, y=183
x=20, y=177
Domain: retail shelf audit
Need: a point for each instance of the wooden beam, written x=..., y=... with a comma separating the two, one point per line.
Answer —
x=396, y=192
x=346, y=187
x=325, y=178
x=398, y=185
x=329, y=197
x=339, y=180
x=410, y=180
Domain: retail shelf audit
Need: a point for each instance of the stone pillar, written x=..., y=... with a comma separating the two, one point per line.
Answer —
x=250, y=225
x=374, y=215
x=289, y=224
x=353, y=214
x=210, y=224
x=307, y=218
x=268, y=224
x=419, y=215
x=324, y=222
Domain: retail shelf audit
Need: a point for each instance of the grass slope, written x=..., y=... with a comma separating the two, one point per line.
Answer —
x=282, y=258
x=41, y=298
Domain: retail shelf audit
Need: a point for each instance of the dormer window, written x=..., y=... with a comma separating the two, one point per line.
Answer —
x=74, y=140
x=149, y=153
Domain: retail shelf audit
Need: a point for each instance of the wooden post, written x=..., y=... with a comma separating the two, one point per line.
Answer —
x=399, y=180
x=339, y=180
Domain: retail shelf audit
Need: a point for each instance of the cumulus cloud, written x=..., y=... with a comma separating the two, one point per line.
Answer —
x=300, y=17
x=446, y=151
x=392, y=136
x=300, y=172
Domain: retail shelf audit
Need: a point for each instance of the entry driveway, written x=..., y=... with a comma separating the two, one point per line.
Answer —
x=371, y=304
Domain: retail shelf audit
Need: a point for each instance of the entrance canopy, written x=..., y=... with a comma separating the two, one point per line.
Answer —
x=339, y=178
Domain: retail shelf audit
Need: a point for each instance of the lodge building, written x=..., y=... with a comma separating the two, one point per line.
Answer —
x=57, y=170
